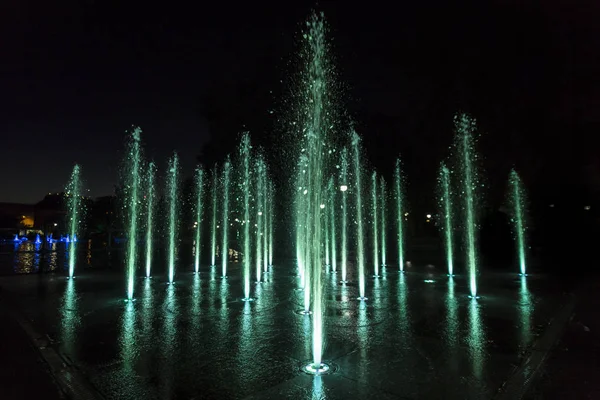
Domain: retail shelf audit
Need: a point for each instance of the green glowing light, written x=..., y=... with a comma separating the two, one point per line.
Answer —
x=150, y=204
x=344, y=178
x=260, y=193
x=265, y=219
x=374, y=215
x=326, y=227
x=400, y=211
x=445, y=200
x=383, y=221
x=359, y=218
x=518, y=202
x=132, y=183
x=331, y=213
x=199, y=183
x=271, y=211
x=173, y=202
x=225, y=224
x=245, y=186
x=213, y=225
x=465, y=143
x=74, y=212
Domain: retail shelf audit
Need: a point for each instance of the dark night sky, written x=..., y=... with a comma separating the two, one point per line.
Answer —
x=76, y=74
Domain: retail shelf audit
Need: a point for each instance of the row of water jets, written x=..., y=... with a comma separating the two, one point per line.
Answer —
x=332, y=204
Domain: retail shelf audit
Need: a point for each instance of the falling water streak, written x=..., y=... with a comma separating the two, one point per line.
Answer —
x=74, y=210
x=375, y=227
x=213, y=225
x=199, y=177
x=271, y=210
x=259, y=217
x=133, y=186
x=446, y=200
x=225, y=243
x=383, y=222
x=465, y=127
x=151, y=201
x=399, y=213
x=331, y=211
x=344, y=189
x=359, y=218
x=518, y=218
x=245, y=150
x=172, y=188
x=265, y=231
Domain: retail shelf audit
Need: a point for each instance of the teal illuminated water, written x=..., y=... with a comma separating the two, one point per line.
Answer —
x=245, y=186
x=467, y=159
x=271, y=211
x=173, y=206
x=213, y=225
x=447, y=226
x=383, y=222
x=73, y=191
x=360, y=243
x=199, y=208
x=344, y=190
x=265, y=220
x=374, y=216
x=260, y=170
x=225, y=221
x=150, y=211
x=133, y=175
x=518, y=218
x=400, y=211
x=331, y=208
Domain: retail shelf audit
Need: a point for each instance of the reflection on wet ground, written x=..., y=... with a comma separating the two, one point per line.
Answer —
x=418, y=335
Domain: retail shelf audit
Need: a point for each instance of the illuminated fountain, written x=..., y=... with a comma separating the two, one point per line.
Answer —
x=400, y=211
x=331, y=214
x=213, y=224
x=467, y=160
x=383, y=214
x=446, y=211
x=133, y=181
x=74, y=213
x=199, y=186
x=314, y=108
x=225, y=221
x=260, y=194
x=518, y=203
x=265, y=218
x=173, y=204
x=271, y=211
x=360, y=242
x=374, y=215
x=325, y=225
x=150, y=211
x=344, y=190
x=245, y=189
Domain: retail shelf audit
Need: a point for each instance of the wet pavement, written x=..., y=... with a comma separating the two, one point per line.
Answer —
x=417, y=336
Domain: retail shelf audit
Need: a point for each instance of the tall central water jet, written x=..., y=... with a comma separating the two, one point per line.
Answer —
x=331, y=213
x=213, y=225
x=199, y=183
x=133, y=180
x=360, y=254
x=383, y=222
x=467, y=159
x=74, y=211
x=245, y=187
x=150, y=204
x=265, y=231
x=271, y=211
x=400, y=211
x=445, y=200
x=518, y=202
x=225, y=243
x=260, y=166
x=374, y=215
x=344, y=190
x=173, y=203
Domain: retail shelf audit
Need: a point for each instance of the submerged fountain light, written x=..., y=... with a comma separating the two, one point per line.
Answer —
x=343, y=188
